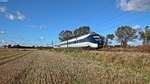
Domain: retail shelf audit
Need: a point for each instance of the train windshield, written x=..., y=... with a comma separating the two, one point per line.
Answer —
x=97, y=38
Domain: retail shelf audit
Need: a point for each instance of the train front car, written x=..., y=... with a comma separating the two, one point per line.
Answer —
x=91, y=40
x=96, y=40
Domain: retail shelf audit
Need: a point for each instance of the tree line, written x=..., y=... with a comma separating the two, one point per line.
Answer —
x=123, y=35
x=68, y=34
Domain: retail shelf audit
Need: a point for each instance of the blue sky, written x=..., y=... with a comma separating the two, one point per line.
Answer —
x=38, y=22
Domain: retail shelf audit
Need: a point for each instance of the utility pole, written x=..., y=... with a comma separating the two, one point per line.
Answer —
x=67, y=39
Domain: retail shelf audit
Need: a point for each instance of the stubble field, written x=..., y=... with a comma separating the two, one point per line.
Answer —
x=73, y=67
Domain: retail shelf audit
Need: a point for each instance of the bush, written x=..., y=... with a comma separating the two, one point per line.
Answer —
x=144, y=48
x=67, y=50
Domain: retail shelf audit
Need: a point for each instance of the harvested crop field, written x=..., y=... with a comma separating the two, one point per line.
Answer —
x=73, y=67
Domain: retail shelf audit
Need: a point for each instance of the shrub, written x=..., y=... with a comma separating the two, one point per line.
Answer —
x=144, y=48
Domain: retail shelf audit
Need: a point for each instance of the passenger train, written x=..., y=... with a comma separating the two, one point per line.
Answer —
x=91, y=40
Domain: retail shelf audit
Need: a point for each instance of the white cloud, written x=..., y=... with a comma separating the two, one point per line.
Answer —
x=38, y=26
x=2, y=32
x=136, y=43
x=17, y=15
x=134, y=5
x=20, y=16
x=136, y=27
x=10, y=17
x=6, y=42
x=42, y=38
x=2, y=9
x=2, y=41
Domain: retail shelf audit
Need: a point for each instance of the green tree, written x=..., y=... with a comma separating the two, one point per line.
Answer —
x=109, y=37
x=82, y=31
x=65, y=35
x=145, y=35
x=125, y=34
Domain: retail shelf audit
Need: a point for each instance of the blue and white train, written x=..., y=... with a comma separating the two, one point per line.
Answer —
x=91, y=40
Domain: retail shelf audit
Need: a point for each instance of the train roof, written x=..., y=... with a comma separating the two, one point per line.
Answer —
x=78, y=38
